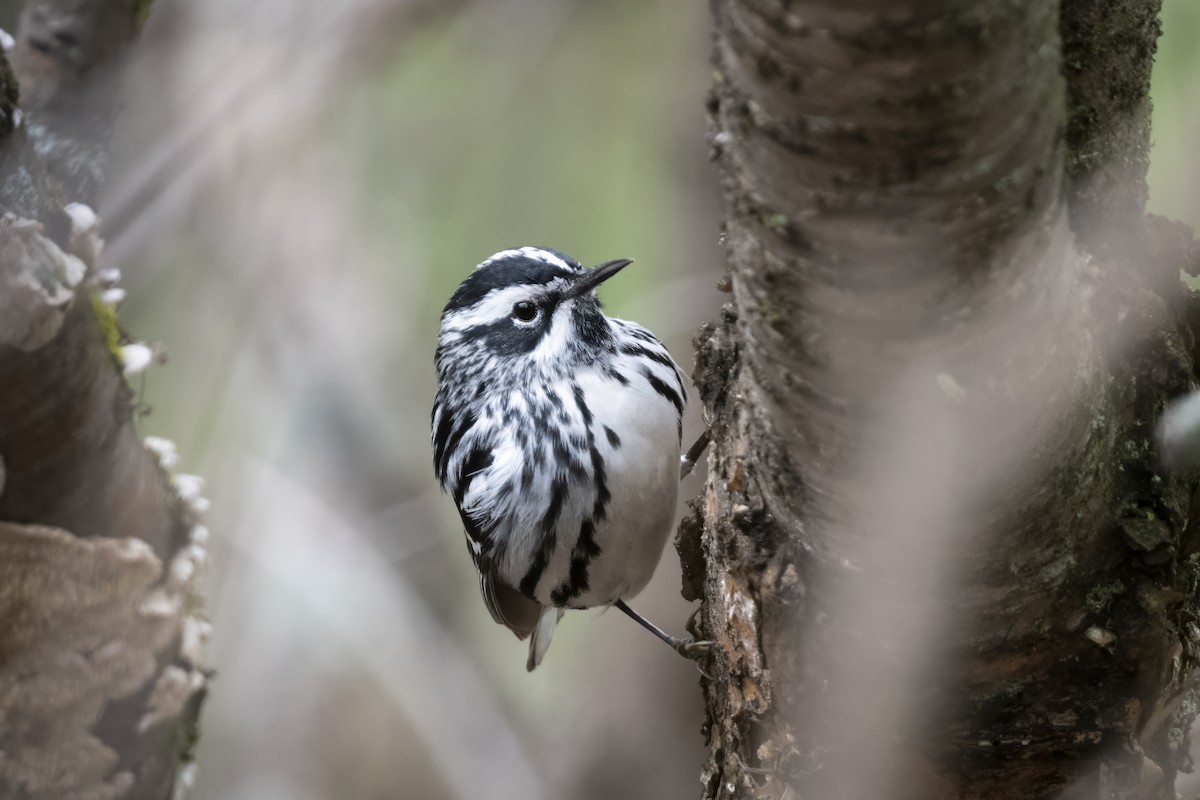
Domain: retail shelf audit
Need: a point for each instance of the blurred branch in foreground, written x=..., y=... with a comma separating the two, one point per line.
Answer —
x=100, y=616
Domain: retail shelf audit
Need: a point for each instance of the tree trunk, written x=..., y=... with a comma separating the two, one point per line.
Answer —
x=936, y=553
x=101, y=626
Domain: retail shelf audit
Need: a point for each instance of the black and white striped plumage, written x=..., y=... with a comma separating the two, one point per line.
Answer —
x=556, y=429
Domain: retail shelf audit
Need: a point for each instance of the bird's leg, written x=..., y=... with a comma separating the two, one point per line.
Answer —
x=688, y=648
x=688, y=461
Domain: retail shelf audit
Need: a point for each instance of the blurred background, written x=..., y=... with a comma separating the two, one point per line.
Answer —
x=297, y=187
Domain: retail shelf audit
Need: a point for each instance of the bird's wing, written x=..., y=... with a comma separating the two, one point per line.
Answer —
x=507, y=605
x=450, y=427
x=451, y=436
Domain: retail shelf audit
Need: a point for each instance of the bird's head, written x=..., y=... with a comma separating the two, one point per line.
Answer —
x=529, y=307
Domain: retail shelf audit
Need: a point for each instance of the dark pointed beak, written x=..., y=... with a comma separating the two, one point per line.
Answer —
x=598, y=275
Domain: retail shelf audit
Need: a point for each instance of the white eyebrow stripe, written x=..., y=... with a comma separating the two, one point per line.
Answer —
x=546, y=256
x=536, y=253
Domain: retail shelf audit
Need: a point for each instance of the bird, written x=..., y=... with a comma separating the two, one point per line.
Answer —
x=556, y=429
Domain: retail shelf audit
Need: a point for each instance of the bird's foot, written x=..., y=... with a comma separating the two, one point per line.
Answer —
x=690, y=648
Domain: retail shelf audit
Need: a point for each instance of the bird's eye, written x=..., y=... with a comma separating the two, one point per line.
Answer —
x=525, y=311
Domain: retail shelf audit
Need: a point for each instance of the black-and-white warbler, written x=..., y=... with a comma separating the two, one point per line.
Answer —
x=556, y=429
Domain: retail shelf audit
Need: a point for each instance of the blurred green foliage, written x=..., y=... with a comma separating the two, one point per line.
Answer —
x=1174, y=166
x=558, y=129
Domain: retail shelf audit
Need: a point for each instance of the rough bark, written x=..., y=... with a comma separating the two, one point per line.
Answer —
x=935, y=551
x=100, y=620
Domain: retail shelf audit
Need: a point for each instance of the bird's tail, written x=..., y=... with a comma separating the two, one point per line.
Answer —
x=542, y=635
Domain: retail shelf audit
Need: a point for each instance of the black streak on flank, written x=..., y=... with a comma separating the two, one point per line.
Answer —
x=558, y=494
x=613, y=439
x=640, y=333
x=618, y=377
x=662, y=388
x=587, y=539
x=601, y=478
x=645, y=352
x=585, y=550
x=582, y=404
x=598, y=474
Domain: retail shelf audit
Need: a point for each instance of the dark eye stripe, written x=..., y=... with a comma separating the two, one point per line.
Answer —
x=505, y=339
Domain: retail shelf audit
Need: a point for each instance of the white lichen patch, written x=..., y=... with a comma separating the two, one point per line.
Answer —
x=132, y=549
x=164, y=450
x=136, y=357
x=73, y=271
x=199, y=535
x=160, y=604
x=188, y=486
x=112, y=296
x=187, y=566
x=194, y=639
x=108, y=277
x=185, y=781
x=738, y=605
x=197, y=554
x=84, y=240
x=1100, y=636
x=83, y=218
x=174, y=688
x=183, y=569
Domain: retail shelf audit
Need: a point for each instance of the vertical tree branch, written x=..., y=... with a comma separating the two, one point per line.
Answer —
x=932, y=475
